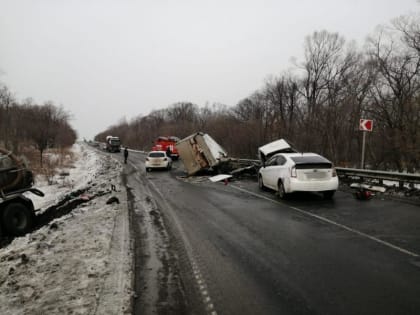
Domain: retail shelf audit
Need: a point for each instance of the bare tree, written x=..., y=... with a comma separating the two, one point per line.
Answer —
x=395, y=96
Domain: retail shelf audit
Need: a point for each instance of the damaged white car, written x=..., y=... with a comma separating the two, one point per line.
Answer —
x=286, y=171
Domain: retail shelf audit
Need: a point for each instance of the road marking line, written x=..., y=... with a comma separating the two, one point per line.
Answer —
x=402, y=250
x=200, y=282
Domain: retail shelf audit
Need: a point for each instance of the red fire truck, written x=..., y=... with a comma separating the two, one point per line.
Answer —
x=164, y=143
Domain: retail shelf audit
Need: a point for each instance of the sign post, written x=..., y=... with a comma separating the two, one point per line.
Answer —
x=364, y=125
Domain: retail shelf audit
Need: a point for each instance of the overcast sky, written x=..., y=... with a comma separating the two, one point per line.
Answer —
x=107, y=59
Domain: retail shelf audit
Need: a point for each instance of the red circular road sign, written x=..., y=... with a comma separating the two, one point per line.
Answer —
x=366, y=124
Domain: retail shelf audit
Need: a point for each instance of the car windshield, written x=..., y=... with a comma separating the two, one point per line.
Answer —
x=156, y=154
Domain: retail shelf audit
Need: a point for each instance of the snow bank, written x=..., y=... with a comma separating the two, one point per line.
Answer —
x=80, y=263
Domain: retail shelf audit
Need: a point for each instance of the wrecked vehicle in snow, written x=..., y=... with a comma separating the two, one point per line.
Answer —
x=286, y=171
x=17, y=212
x=200, y=152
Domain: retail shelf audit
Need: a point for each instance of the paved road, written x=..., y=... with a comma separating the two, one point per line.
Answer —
x=240, y=251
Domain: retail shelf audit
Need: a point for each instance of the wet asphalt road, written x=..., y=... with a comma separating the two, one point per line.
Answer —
x=243, y=252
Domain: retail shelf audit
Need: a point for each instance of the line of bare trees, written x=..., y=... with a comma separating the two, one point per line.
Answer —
x=24, y=124
x=317, y=105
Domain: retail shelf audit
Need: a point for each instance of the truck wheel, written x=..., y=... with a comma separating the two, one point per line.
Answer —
x=17, y=219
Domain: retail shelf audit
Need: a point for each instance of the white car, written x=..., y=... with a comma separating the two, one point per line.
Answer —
x=291, y=172
x=158, y=159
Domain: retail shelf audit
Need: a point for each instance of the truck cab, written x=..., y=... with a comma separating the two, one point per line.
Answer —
x=17, y=213
x=167, y=143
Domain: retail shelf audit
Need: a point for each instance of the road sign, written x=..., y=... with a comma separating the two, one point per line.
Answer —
x=365, y=124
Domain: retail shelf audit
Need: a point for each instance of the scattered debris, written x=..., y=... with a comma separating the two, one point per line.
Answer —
x=112, y=200
x=24, y=258
x=368, y=187
x=363, y=194
x=219, y=178
x=54, y=226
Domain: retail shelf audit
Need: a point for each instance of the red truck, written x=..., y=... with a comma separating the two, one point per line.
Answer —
x=164, y=143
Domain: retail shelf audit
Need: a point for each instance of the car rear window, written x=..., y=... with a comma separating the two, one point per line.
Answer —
x=314, y=161
x=156, y=154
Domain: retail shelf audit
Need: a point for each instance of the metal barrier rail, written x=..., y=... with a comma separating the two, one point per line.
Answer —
x=380, y=176
x=401, y=178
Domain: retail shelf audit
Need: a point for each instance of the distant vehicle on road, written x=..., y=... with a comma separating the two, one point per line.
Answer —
x=158, y=159
x=286, y=171
x=113, y=144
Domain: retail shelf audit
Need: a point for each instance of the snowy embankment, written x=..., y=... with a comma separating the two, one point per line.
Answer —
x=80, y=263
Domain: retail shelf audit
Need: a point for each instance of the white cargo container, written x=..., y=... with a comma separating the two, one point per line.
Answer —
x=200, y=152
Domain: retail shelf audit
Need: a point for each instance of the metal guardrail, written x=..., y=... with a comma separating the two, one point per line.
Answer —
x=401, y=178
x=379, y=176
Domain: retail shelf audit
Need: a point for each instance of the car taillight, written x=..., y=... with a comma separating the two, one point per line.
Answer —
x=334, y=172
x=147, y=159
x=165, y=159
x=293, y=172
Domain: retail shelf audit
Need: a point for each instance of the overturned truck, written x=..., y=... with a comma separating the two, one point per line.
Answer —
x=17, y=211
x=200, y=152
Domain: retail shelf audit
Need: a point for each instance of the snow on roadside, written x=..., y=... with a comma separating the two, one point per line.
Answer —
x=80, y=263
x=88, y=166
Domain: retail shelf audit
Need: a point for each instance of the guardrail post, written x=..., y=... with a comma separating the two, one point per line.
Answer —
x=362, y=163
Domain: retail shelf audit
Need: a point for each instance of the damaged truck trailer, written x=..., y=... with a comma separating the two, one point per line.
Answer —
x=200, y=152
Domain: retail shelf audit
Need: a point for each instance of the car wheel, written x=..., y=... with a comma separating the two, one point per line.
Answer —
x=17, y=219
x=261, y=183
x=280, y=190
x=328, y=194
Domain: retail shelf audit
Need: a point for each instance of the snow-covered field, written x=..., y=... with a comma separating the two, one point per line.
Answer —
x=80, y=263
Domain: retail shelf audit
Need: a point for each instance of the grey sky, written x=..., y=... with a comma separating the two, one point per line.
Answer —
x=104, y=60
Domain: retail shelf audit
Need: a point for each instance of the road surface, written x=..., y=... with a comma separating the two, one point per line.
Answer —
x=210, y=248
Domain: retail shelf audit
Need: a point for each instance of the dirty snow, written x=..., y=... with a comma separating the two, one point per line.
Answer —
x=80, y=263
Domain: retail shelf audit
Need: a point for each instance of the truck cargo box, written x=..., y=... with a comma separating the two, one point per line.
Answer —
x=200, y=152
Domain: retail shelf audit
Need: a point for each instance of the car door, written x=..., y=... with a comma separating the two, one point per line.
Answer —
x=282, y=172
x=271, y=173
